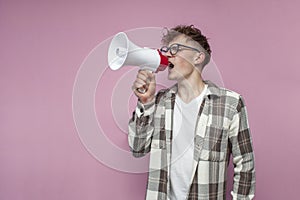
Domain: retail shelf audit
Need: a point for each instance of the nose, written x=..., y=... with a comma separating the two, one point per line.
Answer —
x=168, y=54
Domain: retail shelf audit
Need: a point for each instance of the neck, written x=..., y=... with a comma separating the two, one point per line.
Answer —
x=190, y=88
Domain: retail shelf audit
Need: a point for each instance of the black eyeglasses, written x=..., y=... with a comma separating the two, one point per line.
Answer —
x=174, y=48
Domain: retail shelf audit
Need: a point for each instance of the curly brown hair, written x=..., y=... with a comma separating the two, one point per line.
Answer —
x=192, y=33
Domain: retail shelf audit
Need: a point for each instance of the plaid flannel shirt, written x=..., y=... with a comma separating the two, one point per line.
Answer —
x=222, y=129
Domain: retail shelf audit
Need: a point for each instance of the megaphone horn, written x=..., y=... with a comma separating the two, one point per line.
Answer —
x=123, y=52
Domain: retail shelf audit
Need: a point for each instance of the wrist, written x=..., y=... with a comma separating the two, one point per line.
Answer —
x=146, y=100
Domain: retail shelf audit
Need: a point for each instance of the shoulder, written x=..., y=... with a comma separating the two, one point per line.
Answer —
x=225, y=96
x=227, y=93
x=238, y=98
x=166, y=93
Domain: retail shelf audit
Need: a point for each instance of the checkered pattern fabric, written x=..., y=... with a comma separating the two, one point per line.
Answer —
x=222, y=130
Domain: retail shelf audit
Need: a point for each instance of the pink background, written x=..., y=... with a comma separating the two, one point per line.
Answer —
x=43, y=43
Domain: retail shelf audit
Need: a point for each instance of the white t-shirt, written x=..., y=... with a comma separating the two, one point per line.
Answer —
x=184, y=123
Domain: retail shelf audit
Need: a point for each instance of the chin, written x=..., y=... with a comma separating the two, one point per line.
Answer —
x=172, y=78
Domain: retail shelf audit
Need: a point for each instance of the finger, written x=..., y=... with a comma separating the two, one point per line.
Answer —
x=134, y=88
x=142, y=75
x=140, y=82
x=138, y=86
x=152, y=76
x=144, y=71
x=151, y=79
x=139, y=91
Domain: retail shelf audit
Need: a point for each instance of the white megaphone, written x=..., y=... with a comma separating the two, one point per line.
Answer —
x=123, y=52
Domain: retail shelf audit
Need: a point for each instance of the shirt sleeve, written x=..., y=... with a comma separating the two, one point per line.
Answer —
x=243, y=155
x=140, y=128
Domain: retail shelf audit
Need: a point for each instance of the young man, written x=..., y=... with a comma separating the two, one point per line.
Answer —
x=192, y=128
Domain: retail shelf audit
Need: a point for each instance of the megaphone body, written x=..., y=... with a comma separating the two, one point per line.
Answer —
x=123, y=52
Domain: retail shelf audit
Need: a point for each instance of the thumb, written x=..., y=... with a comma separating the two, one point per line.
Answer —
x=152, y=77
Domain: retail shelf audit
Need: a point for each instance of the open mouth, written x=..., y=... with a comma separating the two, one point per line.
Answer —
x=171, y=65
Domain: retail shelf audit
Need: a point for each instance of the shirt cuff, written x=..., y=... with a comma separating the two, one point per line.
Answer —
x=145, y=109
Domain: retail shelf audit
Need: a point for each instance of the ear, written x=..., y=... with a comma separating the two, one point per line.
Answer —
x=199, y=58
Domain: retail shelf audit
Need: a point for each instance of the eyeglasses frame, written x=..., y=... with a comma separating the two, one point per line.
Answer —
x=165, y=49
